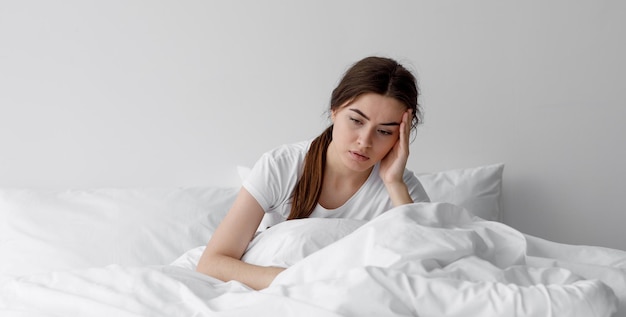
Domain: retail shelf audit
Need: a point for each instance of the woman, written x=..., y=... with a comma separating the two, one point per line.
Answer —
x=354, y=169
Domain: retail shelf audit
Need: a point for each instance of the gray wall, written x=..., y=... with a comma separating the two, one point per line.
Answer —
x=177, y=93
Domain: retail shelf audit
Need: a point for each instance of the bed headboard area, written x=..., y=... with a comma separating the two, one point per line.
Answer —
x=178, y=94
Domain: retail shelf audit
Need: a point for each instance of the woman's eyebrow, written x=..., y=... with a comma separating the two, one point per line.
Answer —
x=367, y=118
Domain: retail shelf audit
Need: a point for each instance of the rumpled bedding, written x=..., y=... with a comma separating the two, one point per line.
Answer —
x=423, y=259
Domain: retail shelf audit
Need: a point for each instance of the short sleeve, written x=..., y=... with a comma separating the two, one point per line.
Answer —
x=274, y=175
x=258, y=181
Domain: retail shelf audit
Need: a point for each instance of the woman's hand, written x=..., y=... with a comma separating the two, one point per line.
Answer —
x=393, y=165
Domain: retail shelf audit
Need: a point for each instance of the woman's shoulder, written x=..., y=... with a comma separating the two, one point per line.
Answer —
x=301, y=146
x=293, y=151
x=275, y=174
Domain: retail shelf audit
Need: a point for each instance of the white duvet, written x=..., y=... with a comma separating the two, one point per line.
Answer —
x=426, y=259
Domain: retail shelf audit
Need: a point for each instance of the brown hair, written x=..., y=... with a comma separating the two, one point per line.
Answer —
x=378, y=75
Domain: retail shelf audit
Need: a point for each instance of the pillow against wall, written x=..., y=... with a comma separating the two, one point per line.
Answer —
x=46, y=230
x=478, y=189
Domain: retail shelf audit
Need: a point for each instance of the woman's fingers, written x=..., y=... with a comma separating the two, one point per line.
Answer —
x=405, y=130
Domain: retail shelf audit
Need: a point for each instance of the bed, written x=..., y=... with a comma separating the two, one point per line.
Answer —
x=132, y=252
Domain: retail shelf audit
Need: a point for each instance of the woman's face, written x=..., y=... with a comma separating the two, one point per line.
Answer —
x=365, y=130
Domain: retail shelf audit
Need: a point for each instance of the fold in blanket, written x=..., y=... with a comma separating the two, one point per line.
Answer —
x=435, y=259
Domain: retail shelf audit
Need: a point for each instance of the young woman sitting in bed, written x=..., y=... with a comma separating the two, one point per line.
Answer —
x=355, y=169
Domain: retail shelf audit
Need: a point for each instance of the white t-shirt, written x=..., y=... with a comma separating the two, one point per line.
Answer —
x=274, y=176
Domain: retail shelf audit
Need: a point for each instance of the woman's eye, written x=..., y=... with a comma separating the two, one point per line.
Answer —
x=385, y=132
x=356, y=121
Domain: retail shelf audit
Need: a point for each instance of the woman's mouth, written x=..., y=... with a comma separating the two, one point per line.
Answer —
x=358, y=156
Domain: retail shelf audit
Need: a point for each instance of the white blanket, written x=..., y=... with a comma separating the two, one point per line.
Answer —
x=416, y=260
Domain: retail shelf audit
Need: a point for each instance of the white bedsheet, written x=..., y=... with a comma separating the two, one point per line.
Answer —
x=428, y=259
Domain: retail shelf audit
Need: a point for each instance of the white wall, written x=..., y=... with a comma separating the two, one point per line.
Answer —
x=177, y=93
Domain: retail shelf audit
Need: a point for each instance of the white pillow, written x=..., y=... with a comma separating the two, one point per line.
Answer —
x=288, y=242
x=47, y=230
x=478, y=189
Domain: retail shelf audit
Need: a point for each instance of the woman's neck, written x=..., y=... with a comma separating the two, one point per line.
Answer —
x=340, y=183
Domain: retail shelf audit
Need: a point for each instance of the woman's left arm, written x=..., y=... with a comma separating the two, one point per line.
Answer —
x=393, y=165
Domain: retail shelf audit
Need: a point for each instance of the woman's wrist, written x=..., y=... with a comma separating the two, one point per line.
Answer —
x=399, y=193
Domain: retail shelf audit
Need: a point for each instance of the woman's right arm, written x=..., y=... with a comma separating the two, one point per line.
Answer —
x=222, y=257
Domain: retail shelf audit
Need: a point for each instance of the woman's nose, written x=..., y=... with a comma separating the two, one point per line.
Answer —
x=365, y=138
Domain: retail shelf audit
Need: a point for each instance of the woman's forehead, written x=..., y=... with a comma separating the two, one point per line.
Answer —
x=376, y=105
